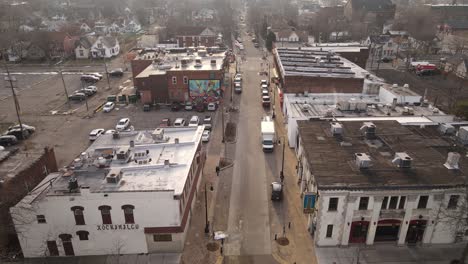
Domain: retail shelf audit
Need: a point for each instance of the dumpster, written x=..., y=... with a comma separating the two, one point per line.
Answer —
x=111, y=98
x=132, y=98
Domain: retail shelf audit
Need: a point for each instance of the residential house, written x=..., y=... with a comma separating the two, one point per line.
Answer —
x=132, y=26
x=84, y=27
x=389, y=44
x=290, y=35
x=115, y=27
x=196, y=36
x=83, y=47
x=105, y=47
x=458, y=66
x=100, y=27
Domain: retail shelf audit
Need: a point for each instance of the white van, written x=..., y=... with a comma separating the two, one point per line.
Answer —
x=194, y=121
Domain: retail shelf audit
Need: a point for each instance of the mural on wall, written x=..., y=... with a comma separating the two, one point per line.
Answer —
x=209, y=90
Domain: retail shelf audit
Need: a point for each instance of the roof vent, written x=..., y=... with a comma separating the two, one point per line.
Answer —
x=363, y=161
x=446, y=129
x=336, y=129
x=402, y=160
x=463, y=134
x=452, y=161
x=368, y=128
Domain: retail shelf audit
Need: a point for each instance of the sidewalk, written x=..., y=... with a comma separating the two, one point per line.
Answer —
x=389, y=254
x=301, y=247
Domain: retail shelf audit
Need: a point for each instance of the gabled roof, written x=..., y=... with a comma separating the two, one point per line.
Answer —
x=86, y=42
x=371, y=5
x=192, y=31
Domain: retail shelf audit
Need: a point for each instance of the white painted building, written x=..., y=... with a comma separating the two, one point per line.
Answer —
x=128, y=193
x=105, y=47
x=380, y=182
x=375, y=103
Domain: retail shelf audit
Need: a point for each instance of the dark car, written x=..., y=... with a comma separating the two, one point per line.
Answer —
x=116, y=73
x=77, y=97
x=17, y=133
x=146, y=107
x=386, y=59
x=176, y=106
x=8, y=140
x=89, y=78
x=165, y=122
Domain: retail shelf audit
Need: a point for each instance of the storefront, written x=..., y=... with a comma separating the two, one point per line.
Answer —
x=416, y=230
x=358, y=233
x=387, y=230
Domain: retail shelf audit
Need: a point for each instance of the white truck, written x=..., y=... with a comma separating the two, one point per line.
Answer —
x=268, y=134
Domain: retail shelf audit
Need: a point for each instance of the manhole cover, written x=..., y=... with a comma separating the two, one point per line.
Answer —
x=283, y=241
x=212, y=246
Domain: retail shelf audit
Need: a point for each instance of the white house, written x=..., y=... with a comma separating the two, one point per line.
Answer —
x=100, y=27
x=389, y=44
x=105, y=47
x=132, y=26
x=380, y=182
x=85, y=28
x=128, y=193
x=290, y=35
x=83, y=47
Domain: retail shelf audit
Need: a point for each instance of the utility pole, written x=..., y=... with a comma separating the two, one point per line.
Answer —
x=17, y=107
x=65, y=88
x=232, y=81
x=107, y=75
x=282, y=164
x=207, y=223
x=222, y=121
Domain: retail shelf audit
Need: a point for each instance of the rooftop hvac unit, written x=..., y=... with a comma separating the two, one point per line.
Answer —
x=368, y=129
x=158, y=134
x=213, y=62
x=446, y=129
x=343, y=105
x=363, y=161
x=452, y=161
x=336, y=129
x=305, y=107
x=402, y=160
x=113, y=176
x=183, y=63
x=408, y=111
x=72, y=184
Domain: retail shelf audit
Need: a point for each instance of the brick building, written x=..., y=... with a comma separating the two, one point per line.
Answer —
x=165, y=78
x=316, y=70
x=196, y=36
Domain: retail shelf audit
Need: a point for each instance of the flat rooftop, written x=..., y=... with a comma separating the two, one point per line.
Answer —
x=151, y=164
x=357, y=106
x=197, y=61
x=333, y=158
x=316, y=62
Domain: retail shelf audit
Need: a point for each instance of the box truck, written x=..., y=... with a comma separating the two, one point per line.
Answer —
x=268, y=134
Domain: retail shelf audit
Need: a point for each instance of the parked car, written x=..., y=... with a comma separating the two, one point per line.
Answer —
x=89, y=78
x=265, y=92
x=109, y=106
x=165, y=122
x=179, y=122
x=110, y=131
x=123, y=124
x=264, y=87
x=206, y=136
x=266, y=101
x=95, y=133
x=238, y=78
x=237, y=88
x=211, y=107
x=88, y=91
x=256, y=45
x=8, y=140
x=175, y=106
x=386, y=59
x=77, y=97
x=188, y=106
x=264, y=82
x=96, y=74
x=29, y=128
x=116, y=73
x=194, y=121
x=207, y=122
x=92, y=88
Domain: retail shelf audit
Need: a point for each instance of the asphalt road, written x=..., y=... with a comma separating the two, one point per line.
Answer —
x=249, y=220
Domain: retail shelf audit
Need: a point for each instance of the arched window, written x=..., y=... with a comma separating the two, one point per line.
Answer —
x=82, y=234
x=78, y=214
x=128, y=213
x=106, y=214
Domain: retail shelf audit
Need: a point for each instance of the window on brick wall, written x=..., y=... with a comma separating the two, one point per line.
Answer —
x=185, y=79
x=174, y=80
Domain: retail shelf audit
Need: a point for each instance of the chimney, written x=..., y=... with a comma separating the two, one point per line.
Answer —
x=132, y=143
x=452, y=161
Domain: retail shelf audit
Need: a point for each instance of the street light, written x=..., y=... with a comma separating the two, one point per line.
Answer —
x=282, y=162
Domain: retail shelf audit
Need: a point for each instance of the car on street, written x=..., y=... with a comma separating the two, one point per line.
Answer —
x=110, y=131
x=165, y=122
x=207, y=122
x=264, y=82
x=188, y=106
x=29, y=128
x=109, y=106
x=211, y=107
x=237, y=88
x=175, y=106
x=256, y=45
x=266, y=101
x=123, y=124
x=8, y=140
x=386, y=59
x=84, y=91
x=95, y=133
x=179, y=122
x=77, y=97
x=116, y=72
x=265, y=92
x=89, y=78
x=264, y=87
x=92, y=88
x=206, y=136
x=194, y=121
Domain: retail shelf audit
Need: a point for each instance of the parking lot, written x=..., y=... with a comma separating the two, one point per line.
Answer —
x=43, y=105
